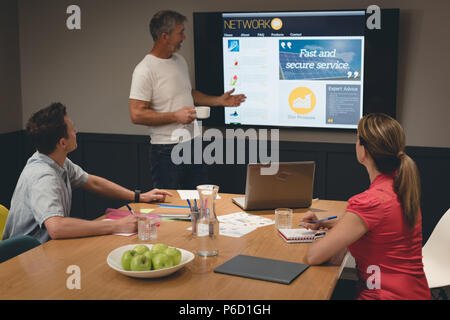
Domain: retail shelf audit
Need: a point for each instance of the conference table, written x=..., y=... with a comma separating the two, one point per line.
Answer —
x=44, y=272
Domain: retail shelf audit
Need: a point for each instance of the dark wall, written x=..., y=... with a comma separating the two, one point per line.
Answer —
x=124, y=159
x=11, y=155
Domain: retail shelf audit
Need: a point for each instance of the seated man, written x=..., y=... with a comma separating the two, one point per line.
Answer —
x=41, y=202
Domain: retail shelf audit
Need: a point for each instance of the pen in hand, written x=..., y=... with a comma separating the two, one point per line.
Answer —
x=321, y=220
x=129, y=208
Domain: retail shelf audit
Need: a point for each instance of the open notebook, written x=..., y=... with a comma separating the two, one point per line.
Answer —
x=299, y=235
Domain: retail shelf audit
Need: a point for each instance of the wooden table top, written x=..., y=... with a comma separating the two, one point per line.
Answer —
x=41, y=273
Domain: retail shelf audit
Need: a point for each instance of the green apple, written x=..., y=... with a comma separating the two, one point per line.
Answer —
x=161, y=261
x=126, y=259
x=141, y=248
x=159, y=247
x=149, y=255
x=174, y=254
x=140, y=263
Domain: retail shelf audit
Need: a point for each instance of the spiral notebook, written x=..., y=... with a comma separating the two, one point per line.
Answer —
x=297, y=235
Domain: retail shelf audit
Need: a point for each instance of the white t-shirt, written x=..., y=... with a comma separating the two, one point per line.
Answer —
x=165, y=83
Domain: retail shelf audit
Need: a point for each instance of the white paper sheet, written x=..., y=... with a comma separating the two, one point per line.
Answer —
x=191, y=194
x=245, y=219
x=239, y=224
x=232, y=230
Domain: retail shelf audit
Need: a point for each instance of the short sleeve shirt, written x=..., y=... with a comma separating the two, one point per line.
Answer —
x=389, y=245
x=166, y=85
x=44, y=190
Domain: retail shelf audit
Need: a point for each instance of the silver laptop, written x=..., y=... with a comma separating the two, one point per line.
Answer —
x=291, y=187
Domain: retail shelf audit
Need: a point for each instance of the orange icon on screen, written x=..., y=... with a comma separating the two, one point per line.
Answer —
x=302, y=100
x=276, y=24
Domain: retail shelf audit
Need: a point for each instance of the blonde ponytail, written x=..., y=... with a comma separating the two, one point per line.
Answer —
x=384, y=139
x=407, y=187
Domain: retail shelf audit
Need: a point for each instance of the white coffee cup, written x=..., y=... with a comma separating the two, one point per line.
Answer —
x=202, y=112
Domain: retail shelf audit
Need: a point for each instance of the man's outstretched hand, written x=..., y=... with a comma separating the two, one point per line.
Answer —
x=230, y=100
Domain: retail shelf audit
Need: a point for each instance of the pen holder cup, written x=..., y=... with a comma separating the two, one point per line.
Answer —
x=194, y=217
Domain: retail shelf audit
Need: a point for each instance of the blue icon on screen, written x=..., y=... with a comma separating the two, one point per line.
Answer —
x=233, y=45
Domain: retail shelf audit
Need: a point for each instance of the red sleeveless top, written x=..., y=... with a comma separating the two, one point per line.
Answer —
x=389, y=256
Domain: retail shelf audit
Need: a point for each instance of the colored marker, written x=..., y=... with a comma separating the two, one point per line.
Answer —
x=172, y=206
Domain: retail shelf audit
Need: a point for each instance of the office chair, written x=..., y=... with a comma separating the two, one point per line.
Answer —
x=346, y=286
x=14, y=246
x=436, y=257
x=3, y=216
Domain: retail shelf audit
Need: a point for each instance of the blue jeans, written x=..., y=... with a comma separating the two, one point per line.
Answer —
x=167, y=175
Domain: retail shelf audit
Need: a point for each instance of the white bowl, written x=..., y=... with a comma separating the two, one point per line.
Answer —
x=114, y=260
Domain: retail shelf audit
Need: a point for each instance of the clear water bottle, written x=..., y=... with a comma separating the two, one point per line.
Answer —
x=207, y=224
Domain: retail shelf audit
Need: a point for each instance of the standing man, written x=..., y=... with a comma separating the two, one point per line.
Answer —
x=162, y=98
x=40, y=206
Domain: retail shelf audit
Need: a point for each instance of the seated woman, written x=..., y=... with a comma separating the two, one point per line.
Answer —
x=382, y=227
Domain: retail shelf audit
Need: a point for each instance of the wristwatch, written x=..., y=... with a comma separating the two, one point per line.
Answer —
x=137, y=195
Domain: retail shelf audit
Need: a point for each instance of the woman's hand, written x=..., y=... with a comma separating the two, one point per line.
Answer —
x=308, y=218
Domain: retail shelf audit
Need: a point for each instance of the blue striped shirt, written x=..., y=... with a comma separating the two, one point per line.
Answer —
x=44, y=190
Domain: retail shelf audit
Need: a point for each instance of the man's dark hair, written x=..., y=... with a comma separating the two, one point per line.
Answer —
x=47, y=126
x=164, y=22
